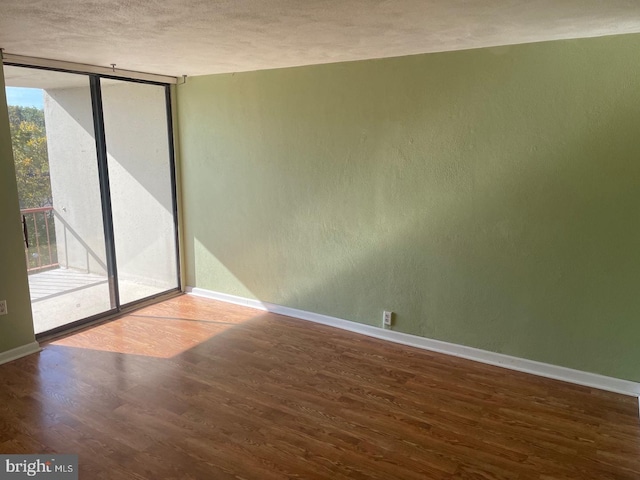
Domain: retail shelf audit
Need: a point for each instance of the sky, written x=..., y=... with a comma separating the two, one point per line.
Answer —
x=25, y=97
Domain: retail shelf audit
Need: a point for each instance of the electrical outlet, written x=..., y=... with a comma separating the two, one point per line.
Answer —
x=387, y=318
x=3, y=307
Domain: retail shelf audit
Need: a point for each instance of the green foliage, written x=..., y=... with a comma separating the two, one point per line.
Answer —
x=29, y=141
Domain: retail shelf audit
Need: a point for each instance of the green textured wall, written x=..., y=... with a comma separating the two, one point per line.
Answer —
x=490, y=197
x=16, y=328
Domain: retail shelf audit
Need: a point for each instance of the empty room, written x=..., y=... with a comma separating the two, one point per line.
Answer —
x=323, y=239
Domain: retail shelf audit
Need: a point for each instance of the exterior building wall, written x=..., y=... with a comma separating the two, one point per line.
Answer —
x=139, y=177
x=74, y=179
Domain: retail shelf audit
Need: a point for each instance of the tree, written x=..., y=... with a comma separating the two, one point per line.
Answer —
x=29, y=141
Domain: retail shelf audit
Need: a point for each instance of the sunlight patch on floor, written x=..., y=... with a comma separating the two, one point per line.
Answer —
x=175, y=330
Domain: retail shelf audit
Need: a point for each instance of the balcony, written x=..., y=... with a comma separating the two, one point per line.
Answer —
x=60, y=293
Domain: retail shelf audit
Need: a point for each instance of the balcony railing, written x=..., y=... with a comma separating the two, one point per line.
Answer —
x=39, y=238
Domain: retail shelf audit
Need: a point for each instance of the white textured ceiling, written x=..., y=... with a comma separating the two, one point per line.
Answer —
x=196, y=37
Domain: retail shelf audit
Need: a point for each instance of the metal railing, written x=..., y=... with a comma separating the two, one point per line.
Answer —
x=39, y=238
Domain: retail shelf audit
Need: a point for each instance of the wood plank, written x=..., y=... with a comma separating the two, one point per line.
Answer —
x=192, y=388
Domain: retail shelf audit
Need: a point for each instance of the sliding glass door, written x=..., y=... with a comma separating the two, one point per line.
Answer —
x=95, y=177
x=53, y=139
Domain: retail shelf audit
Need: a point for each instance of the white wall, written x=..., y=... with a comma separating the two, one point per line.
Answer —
x=139, y=170
x=74, y=179
x=140, y=181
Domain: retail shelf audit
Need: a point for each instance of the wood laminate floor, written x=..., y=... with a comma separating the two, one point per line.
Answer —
x=196, y=389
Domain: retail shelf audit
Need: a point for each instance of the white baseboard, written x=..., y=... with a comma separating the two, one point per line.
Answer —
x=547, y=370
x=19, y=352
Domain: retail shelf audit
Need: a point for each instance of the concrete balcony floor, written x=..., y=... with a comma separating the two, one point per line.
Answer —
x=62, y=296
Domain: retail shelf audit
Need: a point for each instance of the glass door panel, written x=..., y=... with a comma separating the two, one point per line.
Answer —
x=52, y=132
x=140, y=178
